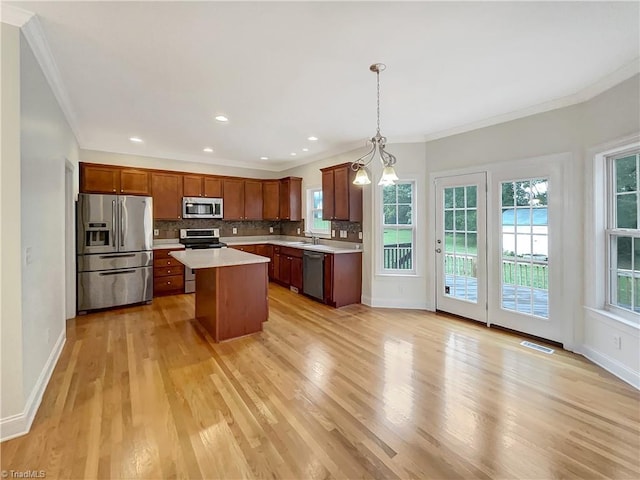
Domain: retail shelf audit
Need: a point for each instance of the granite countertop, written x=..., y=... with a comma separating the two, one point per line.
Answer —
x=216, y=257
x=304, y=245
x=293, y=242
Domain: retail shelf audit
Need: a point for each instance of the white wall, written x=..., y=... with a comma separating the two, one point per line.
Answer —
x=109, y=158
x=37, y=144
x=47, y=142
x=11, y=393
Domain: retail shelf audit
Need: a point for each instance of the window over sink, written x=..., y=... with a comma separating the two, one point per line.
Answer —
x=315, y=224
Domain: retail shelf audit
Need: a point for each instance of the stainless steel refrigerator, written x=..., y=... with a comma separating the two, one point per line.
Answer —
x=115, y=256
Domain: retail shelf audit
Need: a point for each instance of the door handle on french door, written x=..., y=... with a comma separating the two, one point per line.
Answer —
x=438, y=250
x=122, y=227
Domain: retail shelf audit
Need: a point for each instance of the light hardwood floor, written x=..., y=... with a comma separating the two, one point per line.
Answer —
x=322, y=393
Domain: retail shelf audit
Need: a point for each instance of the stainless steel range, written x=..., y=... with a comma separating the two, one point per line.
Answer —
x=200, y=238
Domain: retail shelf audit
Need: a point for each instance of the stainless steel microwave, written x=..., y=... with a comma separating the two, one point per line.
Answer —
x=198, y=207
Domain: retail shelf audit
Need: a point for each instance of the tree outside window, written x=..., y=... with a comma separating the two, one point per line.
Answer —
x=398, y=226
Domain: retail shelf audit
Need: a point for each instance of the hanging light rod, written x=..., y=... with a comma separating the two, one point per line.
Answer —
x=378, y=144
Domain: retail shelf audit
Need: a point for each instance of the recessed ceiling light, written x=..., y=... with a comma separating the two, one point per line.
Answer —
x=264, y=158
x=135, y=139
x=305, y=149
x=293, y=154
x=222, y=118
x=207, y=149
x=312, y=139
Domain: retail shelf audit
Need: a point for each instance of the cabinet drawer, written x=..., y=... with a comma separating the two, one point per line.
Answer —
x=171, y=270
x=169, y=283
x=164, y=252
x=166, y=262
x=292, y=252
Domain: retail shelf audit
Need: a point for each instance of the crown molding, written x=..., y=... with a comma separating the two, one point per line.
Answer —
x=14, y=16
x=587, y=93
x=35, y=36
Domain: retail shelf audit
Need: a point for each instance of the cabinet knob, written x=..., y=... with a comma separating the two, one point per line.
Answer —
x=114, y=189
x=178, y=216
x=168, y=283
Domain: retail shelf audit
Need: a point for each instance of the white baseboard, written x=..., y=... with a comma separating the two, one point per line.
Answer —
x=20, y=424
x=394, y=303
x=613, y=366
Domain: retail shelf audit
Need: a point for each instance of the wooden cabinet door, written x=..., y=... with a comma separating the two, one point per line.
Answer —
x=327, y=195
x=285, y=269
x=166, y=189
x=99, y=179
x=192, y=186
x=275, y=274
x=253, y=200
x=340, y=193
x=213, y=187
x=134, y=182
x=296, y=272
x=233, y=199
x=271, y=199
x=291, y=199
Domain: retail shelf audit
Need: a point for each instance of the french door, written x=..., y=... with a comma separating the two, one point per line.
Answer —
x=507, y=240
x=461, y=248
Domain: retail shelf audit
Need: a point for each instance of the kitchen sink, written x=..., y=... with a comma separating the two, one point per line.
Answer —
x=296, y=243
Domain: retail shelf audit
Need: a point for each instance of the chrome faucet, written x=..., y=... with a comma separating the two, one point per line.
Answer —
x=315, y=240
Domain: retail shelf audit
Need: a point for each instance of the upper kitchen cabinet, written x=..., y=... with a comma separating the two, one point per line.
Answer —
x=201, y=186
x=341, y=199
x=112, y=179
x=242, y=199
x=291, y=199
x=253, y=200
x=233, y=199
x=271, y=199
x=166, y=189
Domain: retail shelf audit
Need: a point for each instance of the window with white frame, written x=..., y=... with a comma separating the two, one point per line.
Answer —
x=623, y=234
x=315, y=223
x=398, y=229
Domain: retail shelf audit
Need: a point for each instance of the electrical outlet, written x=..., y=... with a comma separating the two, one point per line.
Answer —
x=28, y=256
x=156, y=232
x=359, y=235
x=216, y=232
x=298, y=231
x=617, y=341
x=235, y=231
x=333, y=233
x=343, y=234
x=270, y=229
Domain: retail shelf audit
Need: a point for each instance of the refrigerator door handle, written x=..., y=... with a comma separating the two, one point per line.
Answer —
x=113, y=223
x=117, y=272
x=122, y=224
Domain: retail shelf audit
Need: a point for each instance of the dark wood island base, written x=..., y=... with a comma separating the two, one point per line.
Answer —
x=232, y=301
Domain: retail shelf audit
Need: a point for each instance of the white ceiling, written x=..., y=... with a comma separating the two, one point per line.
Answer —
x=284, y=71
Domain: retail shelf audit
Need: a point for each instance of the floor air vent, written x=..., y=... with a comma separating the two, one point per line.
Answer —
x=535, y=346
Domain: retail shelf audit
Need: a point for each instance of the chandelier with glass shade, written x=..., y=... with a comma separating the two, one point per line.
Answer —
x=378, y=144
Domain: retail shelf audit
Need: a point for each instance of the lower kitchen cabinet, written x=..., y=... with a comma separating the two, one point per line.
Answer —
x=342, y=279
x=168, y=273
x=290, y=267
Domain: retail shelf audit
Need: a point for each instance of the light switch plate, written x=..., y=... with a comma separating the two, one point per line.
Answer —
x=156, y=232
x=333, y=233
x=216, y=232
x=270, y=229
x=235, y=231
x=298, y=231
x=343, y=234
x=359, y=235
x=28, y=256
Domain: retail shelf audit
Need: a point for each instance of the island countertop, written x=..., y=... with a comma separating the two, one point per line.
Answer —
x=216, y=257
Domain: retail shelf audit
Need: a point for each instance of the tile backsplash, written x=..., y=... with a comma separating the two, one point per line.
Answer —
x=170, y=228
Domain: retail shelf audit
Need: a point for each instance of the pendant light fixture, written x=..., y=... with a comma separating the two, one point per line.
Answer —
x=378, y=143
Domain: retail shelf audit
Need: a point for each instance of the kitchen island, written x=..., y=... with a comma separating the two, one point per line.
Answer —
x=231, y=290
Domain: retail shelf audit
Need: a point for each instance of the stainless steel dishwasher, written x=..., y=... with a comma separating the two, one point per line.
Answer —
x=313, y=274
